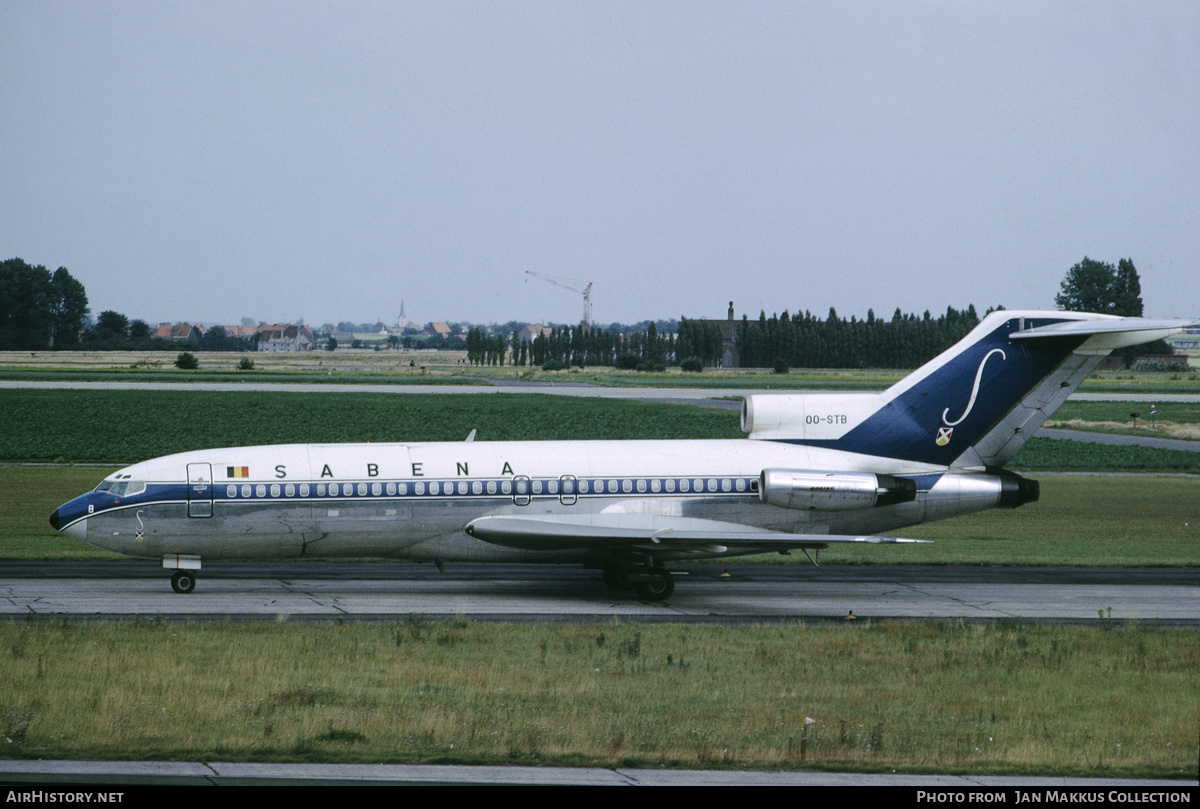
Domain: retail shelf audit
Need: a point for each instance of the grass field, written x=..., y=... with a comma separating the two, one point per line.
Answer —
x=434, y=367
x=73, y=426
x=1180, y=420
x=134, y=362
x=932, y=697
x=126, y=426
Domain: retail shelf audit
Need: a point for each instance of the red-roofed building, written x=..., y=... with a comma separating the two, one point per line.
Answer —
x=183, y=332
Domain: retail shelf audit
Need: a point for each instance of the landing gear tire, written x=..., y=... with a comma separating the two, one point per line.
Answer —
x=658, y=587
x=182, y=581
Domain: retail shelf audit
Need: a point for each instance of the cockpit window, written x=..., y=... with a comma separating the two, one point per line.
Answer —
x=122, y=488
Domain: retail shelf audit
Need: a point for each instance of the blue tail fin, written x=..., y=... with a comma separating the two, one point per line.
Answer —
x=974, y=405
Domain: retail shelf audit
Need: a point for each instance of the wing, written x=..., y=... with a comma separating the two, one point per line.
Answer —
x=647, y=532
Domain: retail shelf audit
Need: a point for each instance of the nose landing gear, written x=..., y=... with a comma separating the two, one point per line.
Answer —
x=183, y=581
x=185, y=565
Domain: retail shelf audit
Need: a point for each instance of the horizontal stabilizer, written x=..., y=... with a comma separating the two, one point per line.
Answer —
x=1115, y=325
x=1103, y=336
x=645, y=532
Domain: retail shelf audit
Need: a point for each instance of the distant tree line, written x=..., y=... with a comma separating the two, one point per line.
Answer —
x=41, y=310
x=567, y=346
x=804, y=341
x=485, y=349
x=905, y=341
x=701, y=340
x=576, y=346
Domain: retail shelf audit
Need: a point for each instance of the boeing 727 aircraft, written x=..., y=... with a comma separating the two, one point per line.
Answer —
x=815, y=469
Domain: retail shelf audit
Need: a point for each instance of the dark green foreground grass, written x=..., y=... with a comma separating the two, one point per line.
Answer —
x=121, y=427
x=127, y=426
x=933, y=697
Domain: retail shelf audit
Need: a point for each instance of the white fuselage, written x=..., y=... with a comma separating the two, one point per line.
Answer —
x=411, y=501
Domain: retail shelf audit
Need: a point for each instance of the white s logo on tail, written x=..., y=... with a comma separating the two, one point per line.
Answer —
x=944, y=433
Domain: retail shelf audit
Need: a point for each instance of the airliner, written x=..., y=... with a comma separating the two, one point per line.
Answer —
x=815, y=469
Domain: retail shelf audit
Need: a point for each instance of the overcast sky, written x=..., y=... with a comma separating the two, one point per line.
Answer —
x=209, y=161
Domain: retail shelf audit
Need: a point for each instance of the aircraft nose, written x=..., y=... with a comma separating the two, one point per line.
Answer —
x=66, y=520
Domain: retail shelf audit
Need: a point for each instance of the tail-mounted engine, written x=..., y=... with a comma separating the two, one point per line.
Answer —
x=807, y=489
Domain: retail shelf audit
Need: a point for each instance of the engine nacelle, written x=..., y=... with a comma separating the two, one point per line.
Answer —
x=811, y=416
x=808, y=489
x=958, y=493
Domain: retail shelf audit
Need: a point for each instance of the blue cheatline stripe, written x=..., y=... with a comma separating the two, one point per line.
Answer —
x=476, y=488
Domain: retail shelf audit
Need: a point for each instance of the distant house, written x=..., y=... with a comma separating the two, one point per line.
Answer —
x=730, y=353
x=285, y=337
x=438, y=330
x=244, y=333
x=531, y=331
x=183, y=332
x=1187, y=340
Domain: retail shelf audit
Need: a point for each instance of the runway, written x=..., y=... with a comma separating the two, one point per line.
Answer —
x=749, y=593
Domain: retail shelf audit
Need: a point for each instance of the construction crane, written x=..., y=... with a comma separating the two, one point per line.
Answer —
x=571, y=284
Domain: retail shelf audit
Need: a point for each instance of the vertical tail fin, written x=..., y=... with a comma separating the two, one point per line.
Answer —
x=974, y=405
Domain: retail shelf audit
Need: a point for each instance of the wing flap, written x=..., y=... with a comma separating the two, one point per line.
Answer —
x=646, y=532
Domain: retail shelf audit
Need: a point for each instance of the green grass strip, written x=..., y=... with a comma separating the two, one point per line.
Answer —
x=868, y=697
x=72, y=426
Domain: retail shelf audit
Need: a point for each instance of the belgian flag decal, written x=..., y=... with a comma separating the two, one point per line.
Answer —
x=237, y=471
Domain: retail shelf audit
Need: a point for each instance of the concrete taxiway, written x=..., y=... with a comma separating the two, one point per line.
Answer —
x=382, y=591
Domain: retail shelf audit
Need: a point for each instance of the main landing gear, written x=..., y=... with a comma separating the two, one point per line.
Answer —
x=651, y=583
